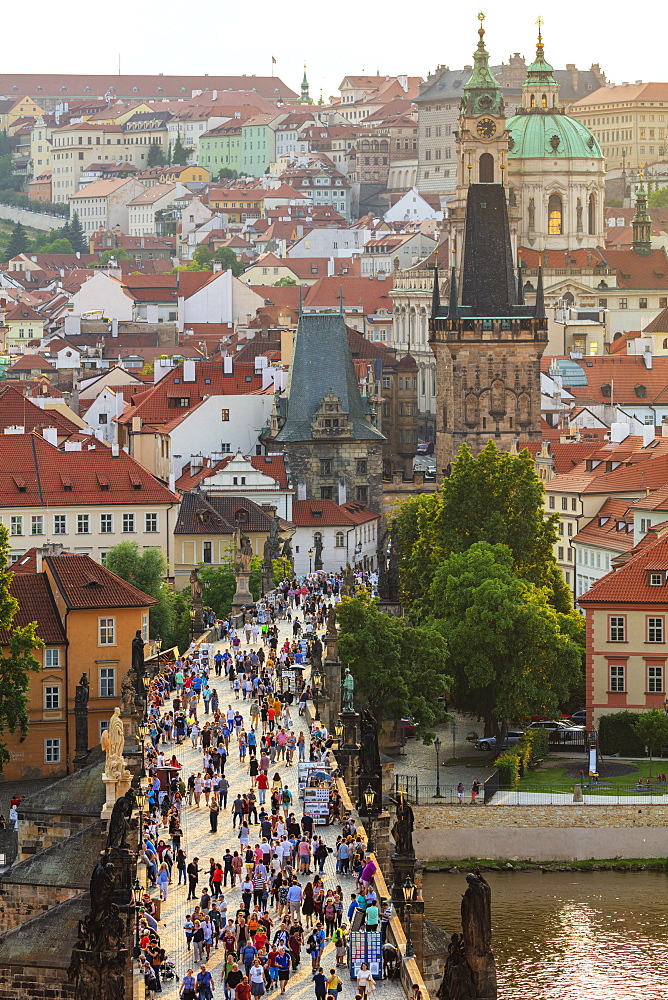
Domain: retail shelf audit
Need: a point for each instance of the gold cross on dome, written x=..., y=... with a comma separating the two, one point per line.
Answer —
x=540, y=22
x=481, y=18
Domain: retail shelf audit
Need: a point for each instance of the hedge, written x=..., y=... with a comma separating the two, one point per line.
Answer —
x=616, y=735
x=516, y=761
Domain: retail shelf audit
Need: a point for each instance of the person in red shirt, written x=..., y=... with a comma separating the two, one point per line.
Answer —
x=271, y=716
x=260, y=940
x=243, y=990
x=262, y=786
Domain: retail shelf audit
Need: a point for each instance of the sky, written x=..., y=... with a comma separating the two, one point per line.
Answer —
x=333, y=40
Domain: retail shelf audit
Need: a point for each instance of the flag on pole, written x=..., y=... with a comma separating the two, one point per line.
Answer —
x=273, y=61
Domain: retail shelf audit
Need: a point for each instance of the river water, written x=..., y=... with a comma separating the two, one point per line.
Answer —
x=569, y=935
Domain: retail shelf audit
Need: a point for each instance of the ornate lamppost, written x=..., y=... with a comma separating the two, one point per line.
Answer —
x=409, y=893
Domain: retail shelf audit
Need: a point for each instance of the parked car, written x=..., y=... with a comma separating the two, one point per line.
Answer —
x=513, y=736
x=408, y=727
x=564, y=730
x=579, y=717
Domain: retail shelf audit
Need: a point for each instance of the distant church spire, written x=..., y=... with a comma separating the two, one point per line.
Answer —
x=642, y=241
x=435, y=294
x=540, y=91
x=306, y=97
x=482, y=92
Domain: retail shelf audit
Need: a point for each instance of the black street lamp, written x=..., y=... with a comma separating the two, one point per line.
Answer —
x=338, y=732
x=437, y=748
x=310, y=557
x=409, y=892
x=369, y=797
x=142, y=806
x=316, y=678
x=143, y=729
x=136, y=895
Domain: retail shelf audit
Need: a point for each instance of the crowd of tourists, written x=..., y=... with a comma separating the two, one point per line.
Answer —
x=262, y=897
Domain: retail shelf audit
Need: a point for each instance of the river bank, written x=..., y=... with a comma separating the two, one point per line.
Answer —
x=487, y=865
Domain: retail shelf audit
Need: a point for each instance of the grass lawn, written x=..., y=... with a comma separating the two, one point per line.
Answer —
x=556, y=779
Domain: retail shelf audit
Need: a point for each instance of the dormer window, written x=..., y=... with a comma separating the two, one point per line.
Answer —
x=655, y=579
x=640, y=391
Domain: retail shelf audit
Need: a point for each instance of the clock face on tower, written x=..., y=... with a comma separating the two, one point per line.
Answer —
x=485, y=127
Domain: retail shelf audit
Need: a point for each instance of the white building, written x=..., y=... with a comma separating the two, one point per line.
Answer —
x=330, y=243
x=221, y=299
x=388, y=252
x=347, y=534
x=260, y=478
x=143, y=208
x=105, y=203
x=412, y=207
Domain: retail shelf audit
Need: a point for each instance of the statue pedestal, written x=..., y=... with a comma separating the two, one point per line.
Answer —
x=114, y=788
x=243, y=595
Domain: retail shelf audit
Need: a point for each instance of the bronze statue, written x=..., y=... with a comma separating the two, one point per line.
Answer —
x=316, y=654
x=317, y=558
x=195, y=586
x=369, y=752
x=101, y=889
x=331, y=623
x=402, y=831
x=348, y=692
x=470, y=970
x=348, y=587
x=81, y=719
x=119, y=821
x=138, y=653
x=243, y=551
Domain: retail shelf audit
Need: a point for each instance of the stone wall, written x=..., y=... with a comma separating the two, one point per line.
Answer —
x=304, y=459
x=36, y=220
x=39, y=831
x=20, y=902
x=35, y=983
x=540, y=832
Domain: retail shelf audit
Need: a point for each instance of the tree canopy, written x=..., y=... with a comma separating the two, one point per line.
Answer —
x=118, y=254
x=659, y=198
x=496, y=498
x=18, y=241
x=510, y=652
x=652, y=728
x=17, y=665
x=155, y=156
x=398, y=669
x=146, y=570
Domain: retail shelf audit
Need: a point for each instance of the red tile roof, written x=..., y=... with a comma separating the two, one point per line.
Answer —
x=36, y=604
x=370, y=293
x=566, y=456
x=84, y=583
x=623, y=374
x=639, y=270
x=17, y=410
x=34, y=472
x=611, y=528
x=269, y=465
x=630, y=583
x=311, y=513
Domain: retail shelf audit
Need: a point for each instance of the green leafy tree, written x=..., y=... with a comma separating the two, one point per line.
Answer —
x=58, y=246
x=180, y=153
x=227, y=257
x=219, y=584
x=282, y=569
x=398, y=669
x=651, y=728
x=5, y=143
x=202, y=256
x=495, y=498
x=146, y=570
x=285, y=282
x=225, y=174
x=17, y=665
x=658, y=198
x=76, y=235
x=510, y=652
x=155, y=156
x=117, y=254
x=18, y=241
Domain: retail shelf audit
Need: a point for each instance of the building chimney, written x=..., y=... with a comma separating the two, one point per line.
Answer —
x=50, y=434
x=189, y=370
x=115, y=451
x=619, y=432
x=342, y=491
x=73, y=446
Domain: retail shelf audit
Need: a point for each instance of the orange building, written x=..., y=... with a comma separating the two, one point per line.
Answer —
x=87, y=617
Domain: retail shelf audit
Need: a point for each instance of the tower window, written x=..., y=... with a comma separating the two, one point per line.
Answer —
x=554, y=216
x=592, y=215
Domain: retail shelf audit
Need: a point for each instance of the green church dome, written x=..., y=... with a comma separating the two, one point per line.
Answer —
x=555, y=136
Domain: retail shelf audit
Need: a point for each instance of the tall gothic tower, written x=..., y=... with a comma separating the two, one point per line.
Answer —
x=487, y=343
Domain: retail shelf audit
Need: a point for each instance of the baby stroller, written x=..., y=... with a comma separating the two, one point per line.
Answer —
x=169, y=971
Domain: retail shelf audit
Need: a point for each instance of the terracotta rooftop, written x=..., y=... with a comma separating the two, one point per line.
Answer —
x=611, y=528
x=84, y=583
x=35, y=473
x=630, y=584
x=269, y=465
x=210, y=514
x=16, y=410
x=36, y=604
x=311, y=513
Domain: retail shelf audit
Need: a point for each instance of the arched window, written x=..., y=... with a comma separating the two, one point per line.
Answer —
x=533, y=100
x=486, y=168
x=592, y=215
x=340, y=540
x=543, y=101
x=554, y=216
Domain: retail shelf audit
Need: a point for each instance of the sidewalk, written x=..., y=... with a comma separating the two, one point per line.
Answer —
x=198, y=841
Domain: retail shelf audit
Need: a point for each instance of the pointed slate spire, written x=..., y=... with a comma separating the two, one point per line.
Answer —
x=435, y=295
x=540, y=297
x=453, y=306
x=341, y=299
